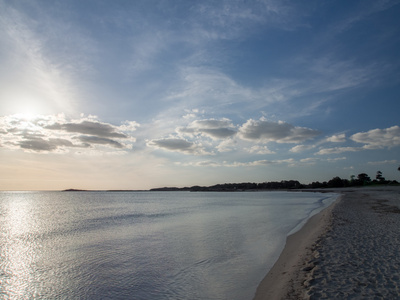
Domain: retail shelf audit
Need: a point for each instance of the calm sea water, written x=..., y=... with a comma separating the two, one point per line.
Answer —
x=144, y=245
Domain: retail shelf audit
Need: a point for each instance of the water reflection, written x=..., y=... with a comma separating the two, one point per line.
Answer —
x=19, y=248
x=101, y=245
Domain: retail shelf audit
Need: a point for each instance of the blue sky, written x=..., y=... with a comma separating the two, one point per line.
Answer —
x=142, y=94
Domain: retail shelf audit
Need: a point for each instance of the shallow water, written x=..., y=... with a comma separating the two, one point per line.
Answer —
x=144, y=245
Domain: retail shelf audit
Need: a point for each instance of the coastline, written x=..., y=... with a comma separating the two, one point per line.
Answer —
x=347, y=250
x=276, y=283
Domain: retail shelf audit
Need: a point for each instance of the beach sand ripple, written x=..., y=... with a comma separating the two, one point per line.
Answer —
x=358, y=256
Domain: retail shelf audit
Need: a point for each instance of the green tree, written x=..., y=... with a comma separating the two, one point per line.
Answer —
x=363, y=178
x=336, y=182
x=379, y=176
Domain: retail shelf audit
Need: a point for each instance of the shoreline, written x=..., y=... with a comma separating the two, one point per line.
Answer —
x=349, y=249
x=277, y=282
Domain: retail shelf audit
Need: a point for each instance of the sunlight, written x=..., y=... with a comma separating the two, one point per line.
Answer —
x=19, y=251
x=26, y=121
x=26, y=116
x=28, y=108
x=27, y=104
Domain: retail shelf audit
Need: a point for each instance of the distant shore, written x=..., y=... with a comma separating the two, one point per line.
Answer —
x=347, y=250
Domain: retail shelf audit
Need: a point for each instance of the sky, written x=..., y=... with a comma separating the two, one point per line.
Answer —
x=143, y=94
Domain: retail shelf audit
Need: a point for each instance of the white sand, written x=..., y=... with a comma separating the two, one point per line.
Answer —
x=348, y=251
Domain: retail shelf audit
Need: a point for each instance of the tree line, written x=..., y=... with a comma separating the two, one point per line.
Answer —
x=362, y=179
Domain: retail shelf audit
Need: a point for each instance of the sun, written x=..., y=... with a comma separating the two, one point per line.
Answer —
x=28, y=108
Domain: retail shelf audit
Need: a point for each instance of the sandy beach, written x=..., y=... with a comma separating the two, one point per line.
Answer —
x=347, y=251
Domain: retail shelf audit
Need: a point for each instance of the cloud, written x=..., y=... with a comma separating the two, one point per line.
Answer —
x=230, y=19
x=204, y=163
x=89, y=127
x=280, y=132
x=378, y=138
x=216, y=129
x=256, y=149
x=383, y=162
x=301, y=148
x=261, y=131
x=54, y=133
x=372, y=139
x=227, y=145
x=129, y=126
x=39, y=144
x=338, y=138
x=207, y=88
x=88, y=140
x=235, y=164
x=337, y=150
x=211, y=123
x=177, y=145
x=43, y=59
x=309, y=161
x=336, y=159
x=264, y=162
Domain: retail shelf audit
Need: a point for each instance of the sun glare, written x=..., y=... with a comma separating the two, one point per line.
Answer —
x=26, y=116
x=26, y=121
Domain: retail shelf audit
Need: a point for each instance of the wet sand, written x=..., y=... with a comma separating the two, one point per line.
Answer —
x=348, y=251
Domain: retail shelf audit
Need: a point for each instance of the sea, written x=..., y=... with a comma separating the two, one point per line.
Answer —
x=145, y=245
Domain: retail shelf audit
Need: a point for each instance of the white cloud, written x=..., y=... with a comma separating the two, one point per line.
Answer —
x=256, y=149
x=337, y=150
x=191, y=113
x=372, y=139
x=56, y=133
x=338, y=138
x=280, y=132
x=129, y=126
x=227, y=145
x=204, y=163
x=208, y=88
x=261, y=131
x=310, y=160
x=378, y=138
x=301, y=148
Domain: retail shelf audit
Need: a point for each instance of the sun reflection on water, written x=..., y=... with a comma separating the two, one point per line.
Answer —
x=19, y=248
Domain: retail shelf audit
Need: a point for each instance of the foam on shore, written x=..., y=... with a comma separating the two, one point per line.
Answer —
x=348, y=250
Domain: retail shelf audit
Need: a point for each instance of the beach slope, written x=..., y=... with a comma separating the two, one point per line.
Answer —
x=349, y=250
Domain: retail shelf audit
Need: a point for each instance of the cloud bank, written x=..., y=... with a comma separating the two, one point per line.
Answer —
x=260, y=143
x=54, y=133
x=372, y=139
